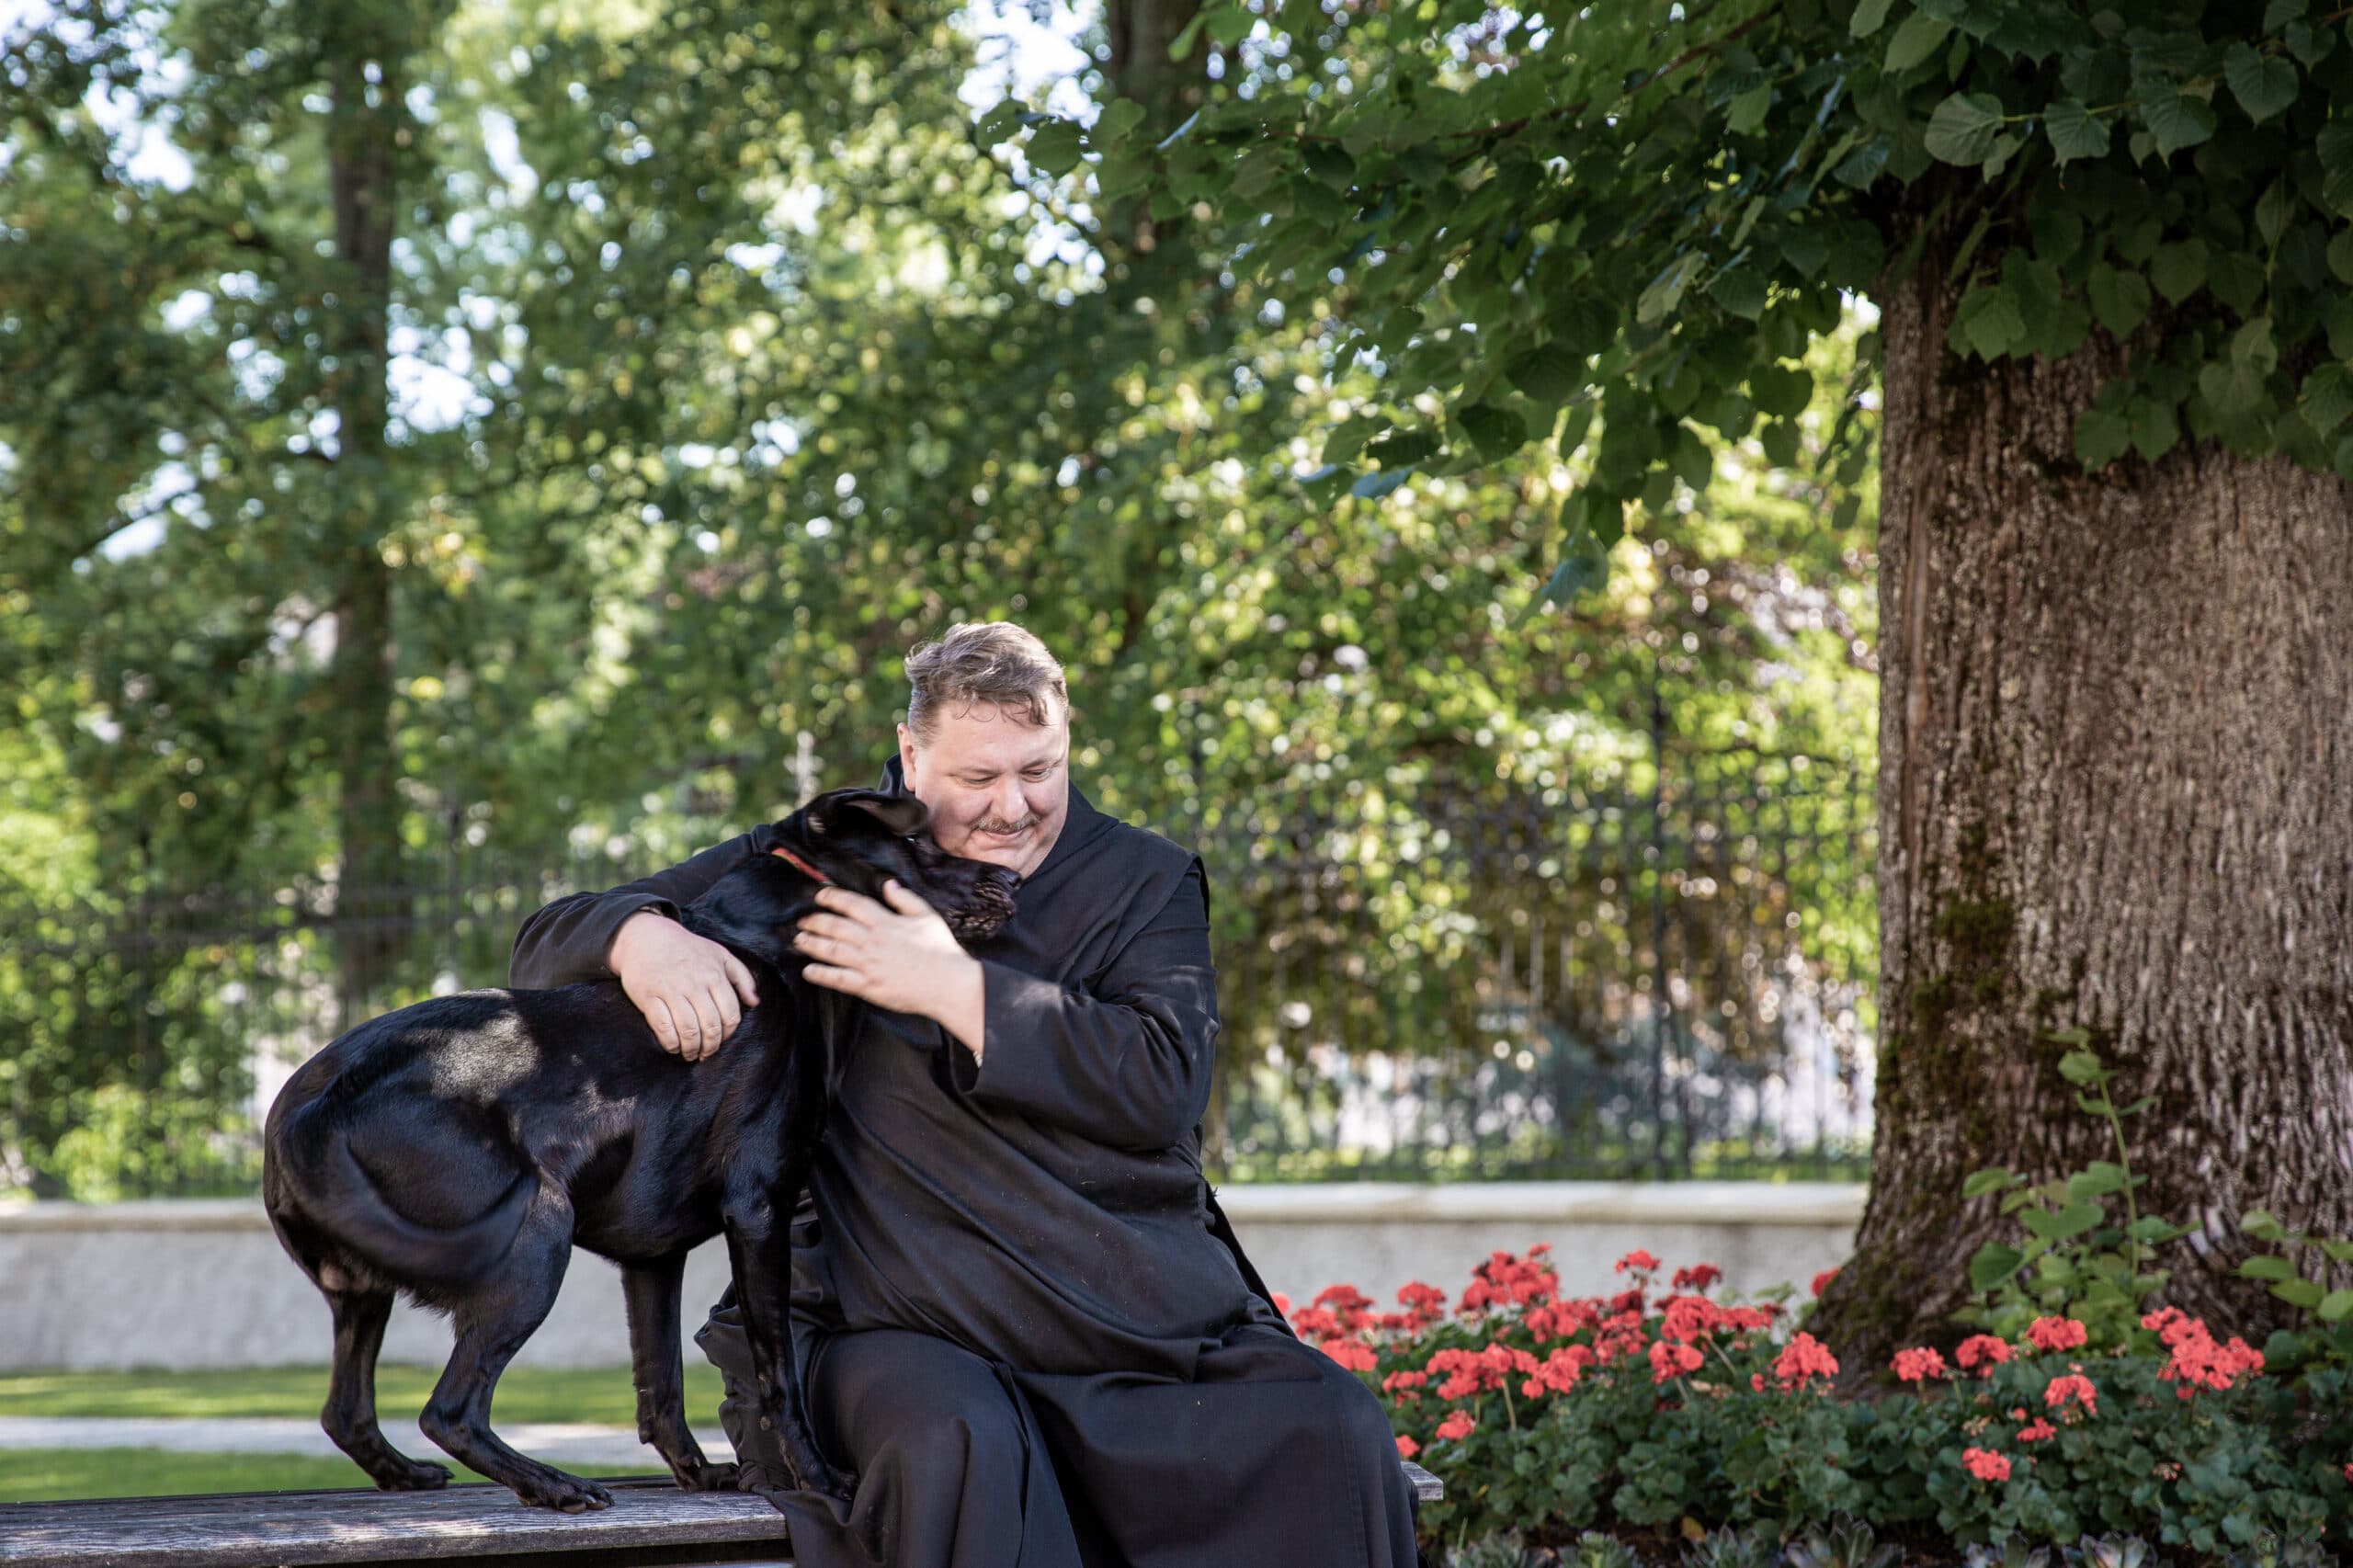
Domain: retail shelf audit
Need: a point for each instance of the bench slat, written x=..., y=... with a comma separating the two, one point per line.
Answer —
x=275, y=1528
x=651, y=1521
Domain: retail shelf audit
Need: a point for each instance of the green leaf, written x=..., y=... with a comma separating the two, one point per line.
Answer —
x=1000, y=123
x=2176, y=120
x=1182, y=44
x=2074, y=131
x=1963, y=128
x=2279, y=13
x=2272, y=210
x=2304, y=1293
x=2178, y=270
x=1549, y=375
x=2071, y=1220
x=2334, y=1306
x=2155, y=429
x=1230, y=25
x=1993, y=1178
x=1497, y=432
x=2098, y=1178
x=1780, y=391
x=2151, y=1228
x=1119, y=117
x=2120, y=299
x=1578, y=573
x=2251, y=348
x=1402, y=448
x=1989, y=322
x=1055, y=147
x=1869, y=17
x=2327, y=396
x=1913, y=42
x=2101, y=437
x=2340, y=256
x=1747, y=110
x=1993, y=1264
x=1665, y=291
x=2080, y=1067
x=2263, y=83
x=2267, y=1266
x=1740, y=290
x=2258, y=1223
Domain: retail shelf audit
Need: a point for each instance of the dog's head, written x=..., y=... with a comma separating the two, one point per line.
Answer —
x=857, y=839
x=860, y=838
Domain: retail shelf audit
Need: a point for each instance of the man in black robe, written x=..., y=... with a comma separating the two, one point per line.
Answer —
x=1019, y=1317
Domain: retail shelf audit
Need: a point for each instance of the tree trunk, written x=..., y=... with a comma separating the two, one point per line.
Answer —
x=2116, y=794
x=369, y=123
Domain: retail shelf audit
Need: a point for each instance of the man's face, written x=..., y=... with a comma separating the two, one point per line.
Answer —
x=998, y=785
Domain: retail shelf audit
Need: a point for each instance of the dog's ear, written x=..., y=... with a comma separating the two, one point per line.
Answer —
x=899, y=814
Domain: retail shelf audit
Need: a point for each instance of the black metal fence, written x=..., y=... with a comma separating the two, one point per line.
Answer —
x=1669, y=984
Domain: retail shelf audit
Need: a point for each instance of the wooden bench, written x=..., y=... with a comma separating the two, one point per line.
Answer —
x=652, y=1524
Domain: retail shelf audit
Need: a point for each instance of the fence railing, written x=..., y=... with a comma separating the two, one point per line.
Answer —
x=1672, y=984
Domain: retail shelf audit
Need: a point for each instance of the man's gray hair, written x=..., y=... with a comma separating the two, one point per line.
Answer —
x=993, y=661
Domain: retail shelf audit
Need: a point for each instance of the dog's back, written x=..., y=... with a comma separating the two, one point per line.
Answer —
x=405, y=1154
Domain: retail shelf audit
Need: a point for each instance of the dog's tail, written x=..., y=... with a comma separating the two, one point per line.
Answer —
x=343, y=1200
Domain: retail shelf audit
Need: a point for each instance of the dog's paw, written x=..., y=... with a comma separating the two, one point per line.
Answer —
x=413, y=1475
x=565, y=1495
x=709, y=1477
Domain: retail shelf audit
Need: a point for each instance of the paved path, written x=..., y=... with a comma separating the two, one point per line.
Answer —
x=557, y=1442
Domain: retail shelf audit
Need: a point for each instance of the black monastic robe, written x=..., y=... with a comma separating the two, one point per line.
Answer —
x=1020, y=1318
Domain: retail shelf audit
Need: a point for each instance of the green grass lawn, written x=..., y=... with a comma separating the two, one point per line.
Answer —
x=526, y=1394
x=43, y=1475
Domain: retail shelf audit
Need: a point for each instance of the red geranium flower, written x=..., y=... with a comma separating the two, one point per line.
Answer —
x=1803, y=1358
x=1699, y=1277
x=1822, y=1280
x=1982, y=1353
x=1406, y=1447
x=1669, y=1360
x=2077, y=1389
x=1353, y=1354
x=2055, y=1333
x=1638, y=1260
x=1986, y=1465
x=1918, y=1366
x=1458, y=1424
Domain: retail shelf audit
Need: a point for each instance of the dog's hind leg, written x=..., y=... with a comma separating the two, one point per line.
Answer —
x=350, y=1413
x=493, y=1320
x=651, y=1293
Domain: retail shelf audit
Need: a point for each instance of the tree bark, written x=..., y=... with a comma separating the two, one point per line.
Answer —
x=369, y=123
x=2117, y=733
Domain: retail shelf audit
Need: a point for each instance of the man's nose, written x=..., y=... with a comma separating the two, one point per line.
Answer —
x=1007, y=803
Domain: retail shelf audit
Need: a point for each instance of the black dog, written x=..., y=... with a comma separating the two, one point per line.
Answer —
x=457, y=1149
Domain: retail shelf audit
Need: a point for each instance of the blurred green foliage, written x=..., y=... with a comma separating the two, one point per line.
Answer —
x=728, y=358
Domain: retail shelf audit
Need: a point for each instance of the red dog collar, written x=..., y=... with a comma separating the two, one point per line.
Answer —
x=804, y=867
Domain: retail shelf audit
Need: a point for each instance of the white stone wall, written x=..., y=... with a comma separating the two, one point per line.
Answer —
x=191, y=1284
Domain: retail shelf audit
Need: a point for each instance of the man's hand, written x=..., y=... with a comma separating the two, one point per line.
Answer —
x=685, y=985
x=897, y=955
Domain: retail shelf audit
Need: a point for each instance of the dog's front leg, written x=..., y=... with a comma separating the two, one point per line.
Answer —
x=651, y=1291
x=759, y=1247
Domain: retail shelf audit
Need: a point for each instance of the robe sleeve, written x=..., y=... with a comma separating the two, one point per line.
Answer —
x=1125, y=1060
x=568, y=941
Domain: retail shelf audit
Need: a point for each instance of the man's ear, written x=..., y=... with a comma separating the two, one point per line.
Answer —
x=900, y=815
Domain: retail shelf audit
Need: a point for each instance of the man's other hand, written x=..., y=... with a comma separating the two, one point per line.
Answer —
x=688, y=986
x=899, y=955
